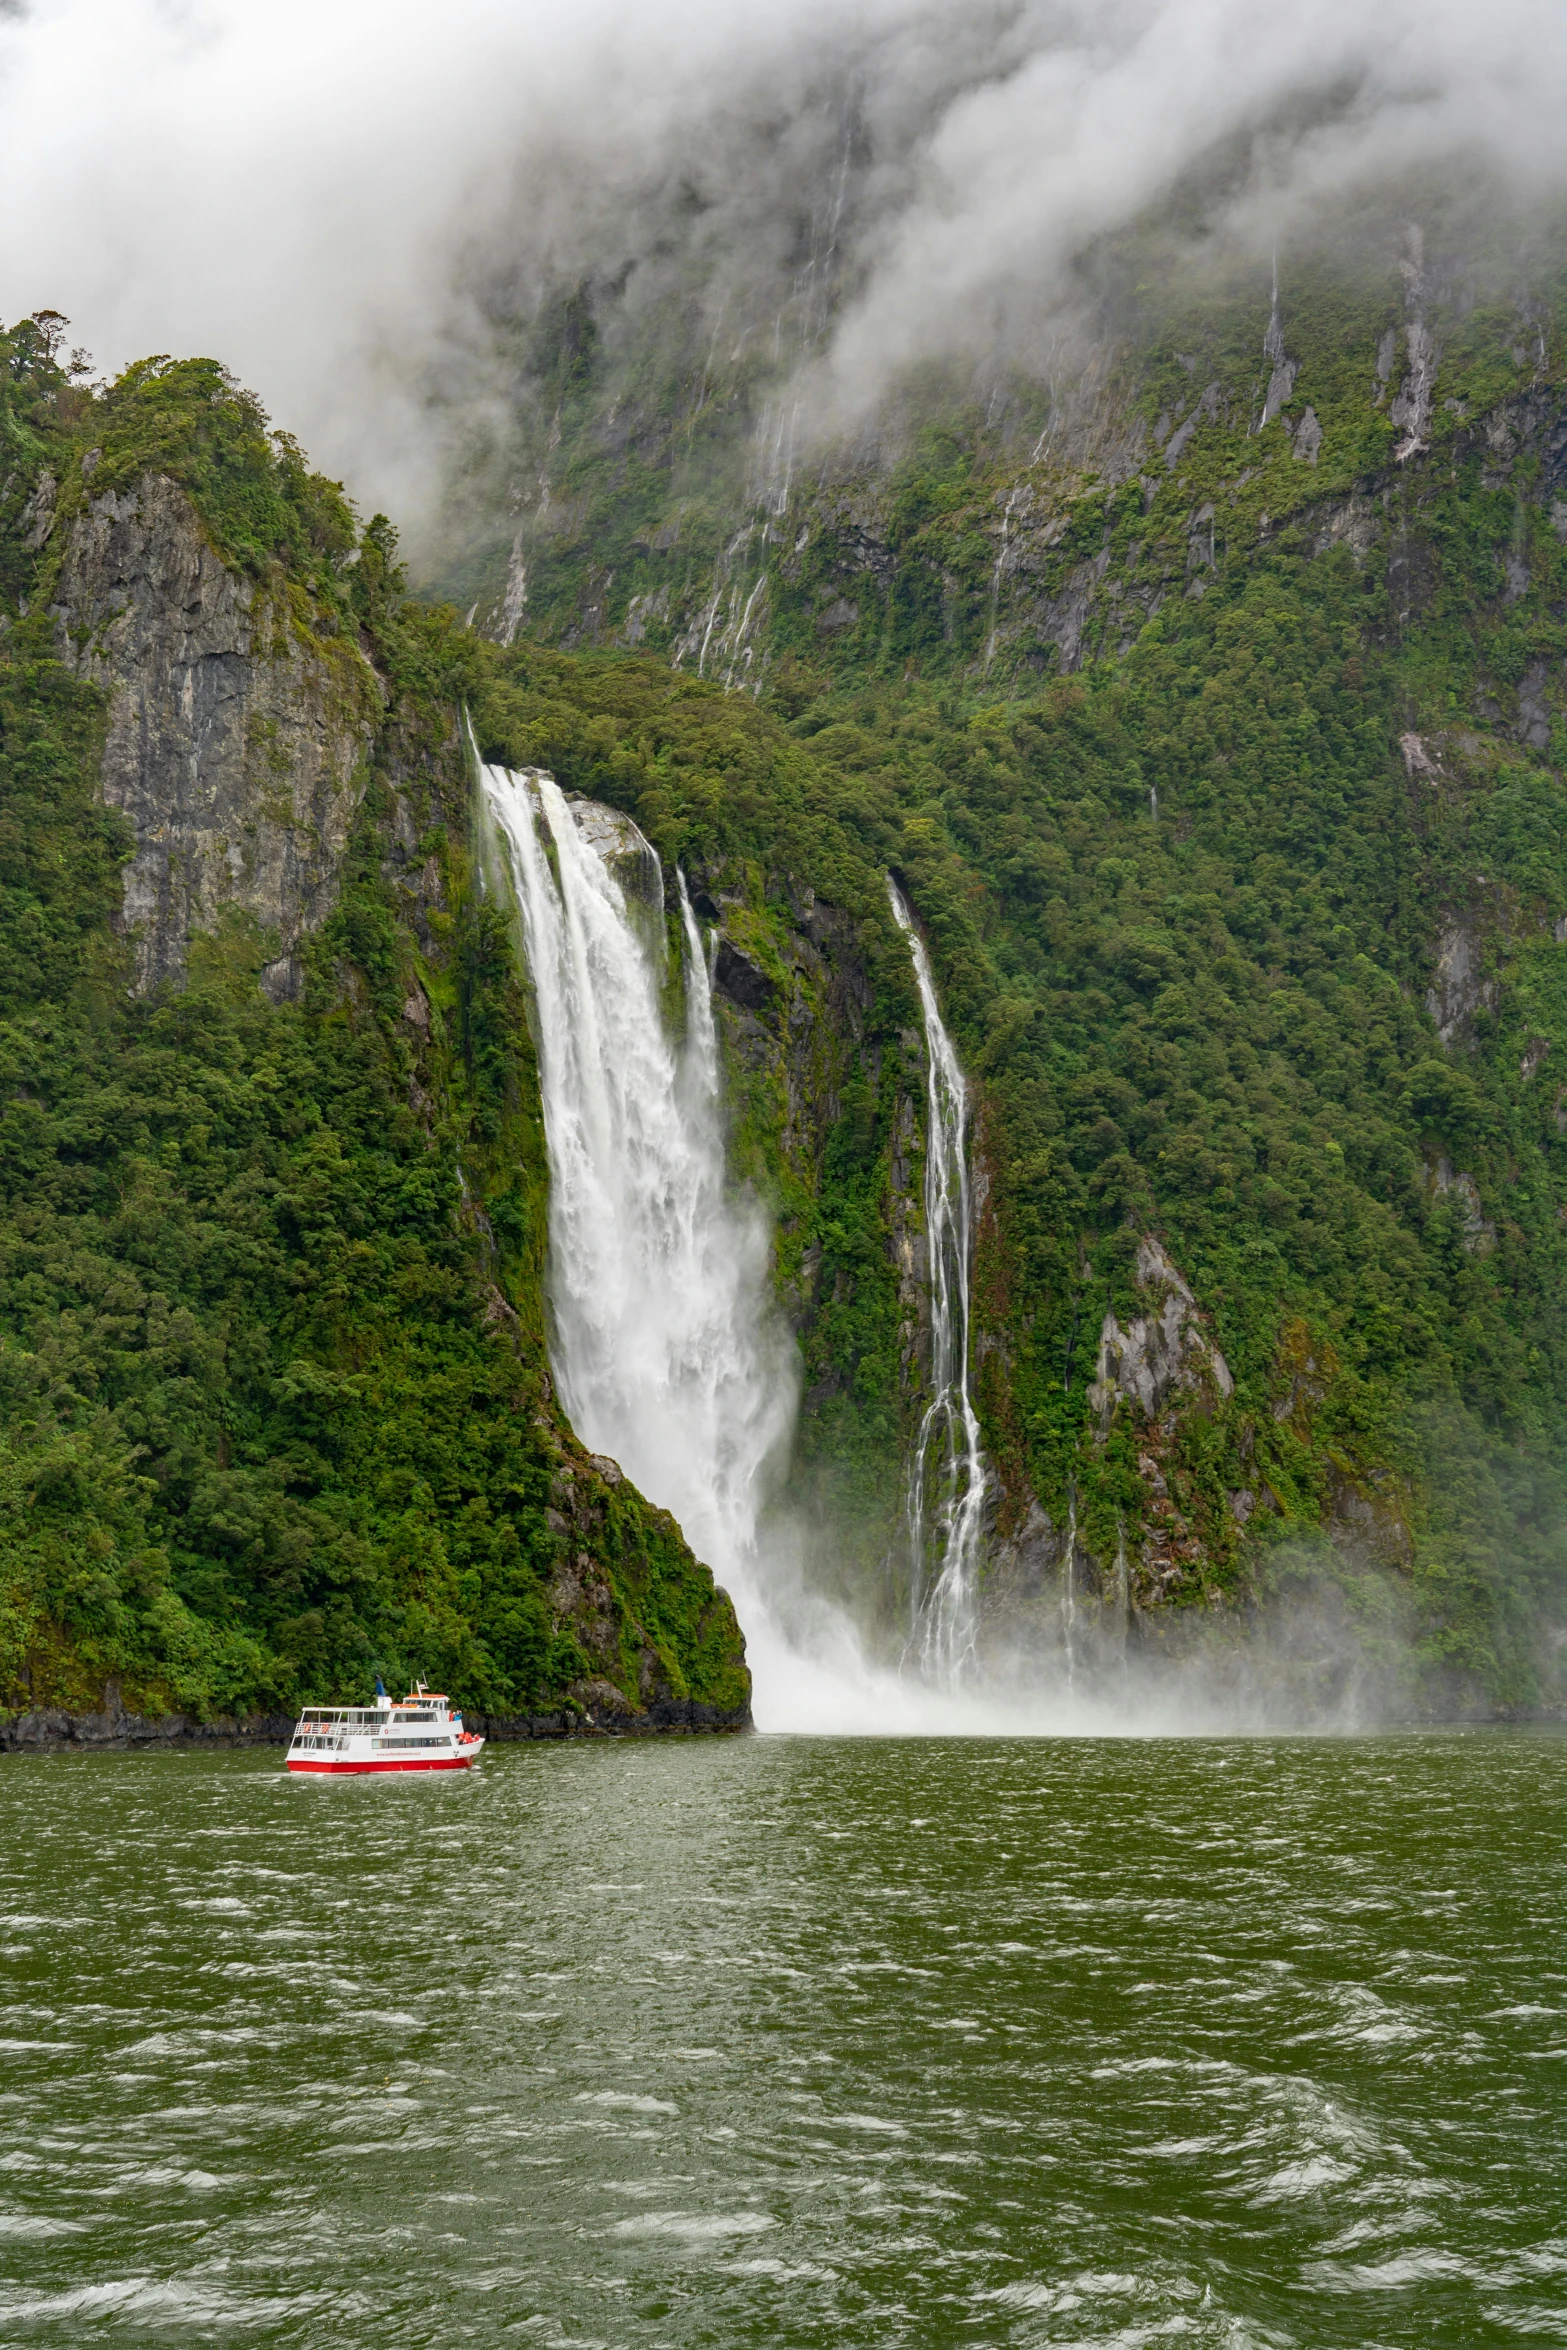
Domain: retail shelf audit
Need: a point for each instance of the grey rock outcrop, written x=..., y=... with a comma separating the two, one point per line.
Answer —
x=617, y=843
x=1461, y=986
x=236, y=743
x=597, y=1709
x=46, y=1729
x=1448, y=1181
x=1159, y=1353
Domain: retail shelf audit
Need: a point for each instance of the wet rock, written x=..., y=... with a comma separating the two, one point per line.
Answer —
x=1160, y=1353
x=1533, y=723
x=1024, y=1562
x=236, y=749
x=1062, y=619
x=1353, y=522
x=1175, y=447
x=602, y=1702
x=37, y=516
x=1369, y=1518
x=666, y=1717
x=44, y=1729
x=1479, y=1233
x=1460, y=985
x=616, y=841
x=741, y=980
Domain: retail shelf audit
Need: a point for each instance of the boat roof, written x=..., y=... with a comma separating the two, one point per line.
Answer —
x=378, y=1705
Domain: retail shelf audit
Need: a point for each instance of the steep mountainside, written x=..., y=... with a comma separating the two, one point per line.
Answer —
x=275, y=1406
x=1215, y=732
x=1210, y=719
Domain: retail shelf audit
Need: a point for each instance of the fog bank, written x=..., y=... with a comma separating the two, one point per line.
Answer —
x=341, y=200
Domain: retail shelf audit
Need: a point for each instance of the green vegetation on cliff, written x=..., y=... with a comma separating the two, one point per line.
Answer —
x=1220, y=752
x=273, y=1405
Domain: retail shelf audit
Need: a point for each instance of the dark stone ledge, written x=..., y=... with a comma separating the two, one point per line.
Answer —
x=666, y=1718
x=47, y=1729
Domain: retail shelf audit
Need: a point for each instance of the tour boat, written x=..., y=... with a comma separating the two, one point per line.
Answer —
x=421, y=1734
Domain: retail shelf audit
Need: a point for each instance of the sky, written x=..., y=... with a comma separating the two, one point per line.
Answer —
x=326, y=194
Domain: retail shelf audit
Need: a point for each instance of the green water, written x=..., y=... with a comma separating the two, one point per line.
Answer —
x=791, y=2042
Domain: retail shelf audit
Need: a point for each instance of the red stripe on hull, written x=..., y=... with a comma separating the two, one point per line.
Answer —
x=455, y=1762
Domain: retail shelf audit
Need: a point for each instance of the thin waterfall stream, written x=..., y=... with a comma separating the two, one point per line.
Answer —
x=947, y=1475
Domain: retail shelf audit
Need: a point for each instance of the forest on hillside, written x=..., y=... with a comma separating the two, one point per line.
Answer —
x=1218, y=748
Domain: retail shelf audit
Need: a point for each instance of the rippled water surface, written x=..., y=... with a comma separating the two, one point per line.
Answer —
x=790, y=2042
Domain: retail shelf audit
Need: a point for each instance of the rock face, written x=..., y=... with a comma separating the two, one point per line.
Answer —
x=1461, y=986
x=599, y=1710
x=603, y=1593
x=615, y=840
x=45, y=1729
x=1160, y=1353
x=809, y=1068
x=237, y=741
x=1161, y=1367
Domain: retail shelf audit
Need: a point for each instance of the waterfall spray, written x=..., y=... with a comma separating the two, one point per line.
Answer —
x=947, y=1476
x=667, y=1349
x=1123, y=1592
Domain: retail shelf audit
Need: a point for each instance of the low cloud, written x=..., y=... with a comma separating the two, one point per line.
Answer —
x=353, y=204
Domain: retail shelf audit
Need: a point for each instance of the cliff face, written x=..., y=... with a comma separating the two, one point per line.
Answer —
x=826, y=1097
x=238, y=746
x=277, y=1410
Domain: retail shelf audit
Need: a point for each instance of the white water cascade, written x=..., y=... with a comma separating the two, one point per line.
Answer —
x=666, y=1353
x=947, y=1476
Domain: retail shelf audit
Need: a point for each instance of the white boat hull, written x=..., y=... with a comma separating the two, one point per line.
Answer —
x=424, y=1733
x=335, y=1767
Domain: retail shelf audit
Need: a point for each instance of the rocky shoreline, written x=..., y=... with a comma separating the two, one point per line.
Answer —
x=51, y=1730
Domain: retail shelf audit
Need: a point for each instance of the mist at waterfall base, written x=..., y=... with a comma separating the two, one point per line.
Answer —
x=672, y=1359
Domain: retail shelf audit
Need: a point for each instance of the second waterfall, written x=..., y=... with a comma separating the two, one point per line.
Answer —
x=948, y=1483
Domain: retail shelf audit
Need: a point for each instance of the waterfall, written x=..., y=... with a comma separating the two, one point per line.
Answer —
x=1123, y=1593
x=665, y=1348
x=1069, y=1591
x=947, y=1476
